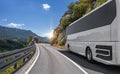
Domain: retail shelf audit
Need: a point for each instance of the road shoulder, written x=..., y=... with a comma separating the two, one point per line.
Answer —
x=28, y=66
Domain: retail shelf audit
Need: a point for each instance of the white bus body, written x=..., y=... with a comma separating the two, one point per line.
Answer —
x=99, y=31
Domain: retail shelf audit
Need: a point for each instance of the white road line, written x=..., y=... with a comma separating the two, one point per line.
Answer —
x=34, y=61
x=73, y=62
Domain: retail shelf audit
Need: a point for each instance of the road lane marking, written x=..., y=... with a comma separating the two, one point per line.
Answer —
x=34, y=61
x=72, y=62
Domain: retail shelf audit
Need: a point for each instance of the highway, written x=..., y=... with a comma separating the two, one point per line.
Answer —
x=50, y=61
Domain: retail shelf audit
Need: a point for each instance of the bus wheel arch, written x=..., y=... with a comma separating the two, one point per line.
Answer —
x=89, y=54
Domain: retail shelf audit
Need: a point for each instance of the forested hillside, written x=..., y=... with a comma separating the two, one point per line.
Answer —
x=75, y=11
x=13, y=33
x=13, y=38
x=9, y=44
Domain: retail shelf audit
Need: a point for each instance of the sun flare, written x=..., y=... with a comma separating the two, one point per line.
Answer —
x=50, y=34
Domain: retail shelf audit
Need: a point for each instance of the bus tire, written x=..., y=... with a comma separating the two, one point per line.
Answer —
x=89, y=55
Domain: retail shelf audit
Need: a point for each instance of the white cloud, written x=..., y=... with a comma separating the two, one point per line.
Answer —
x=14, y=25
x=46, y=6
x=49, y=34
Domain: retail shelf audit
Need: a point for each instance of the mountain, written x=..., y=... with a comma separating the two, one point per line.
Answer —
x=10, y=33
x=13, y=33
x=45, y=39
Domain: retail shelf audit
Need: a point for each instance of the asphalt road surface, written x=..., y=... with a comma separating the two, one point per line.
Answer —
x=50, y=61
x=92, y=68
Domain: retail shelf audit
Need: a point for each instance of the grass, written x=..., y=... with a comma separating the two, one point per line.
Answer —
x=8, y=71
x=11, y=69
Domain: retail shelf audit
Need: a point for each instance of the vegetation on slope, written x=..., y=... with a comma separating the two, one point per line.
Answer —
x=11, y=44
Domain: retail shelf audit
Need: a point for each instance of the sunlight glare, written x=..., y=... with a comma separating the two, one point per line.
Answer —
x=50, y=34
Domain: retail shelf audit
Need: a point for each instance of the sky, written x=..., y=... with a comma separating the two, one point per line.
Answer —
x=39, y=16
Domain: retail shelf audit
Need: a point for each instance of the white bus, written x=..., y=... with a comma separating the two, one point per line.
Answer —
x=97, y=34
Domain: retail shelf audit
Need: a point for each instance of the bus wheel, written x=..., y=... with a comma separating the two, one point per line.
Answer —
x=89, y=55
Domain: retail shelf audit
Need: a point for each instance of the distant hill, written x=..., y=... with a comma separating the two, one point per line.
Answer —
x=10, y=33
x=44, y=39
x=14, y=33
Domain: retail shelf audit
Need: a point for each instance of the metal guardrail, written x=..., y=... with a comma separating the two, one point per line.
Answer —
x=10, y=58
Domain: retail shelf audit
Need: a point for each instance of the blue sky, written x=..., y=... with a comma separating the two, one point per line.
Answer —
x=39, y=16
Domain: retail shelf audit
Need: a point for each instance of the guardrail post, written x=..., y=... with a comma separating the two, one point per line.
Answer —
x=15, y=65
x=24, y=60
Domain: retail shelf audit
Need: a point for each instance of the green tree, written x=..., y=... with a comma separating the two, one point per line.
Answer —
x=83, y=7
x=30, y=39
x=65, y=22
x=78, y=11
x=71, y=6
x=100, y=2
